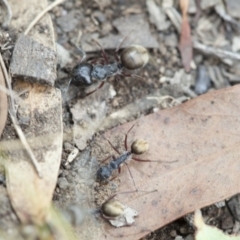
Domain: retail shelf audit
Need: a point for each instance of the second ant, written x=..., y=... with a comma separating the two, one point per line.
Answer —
x=138, y=147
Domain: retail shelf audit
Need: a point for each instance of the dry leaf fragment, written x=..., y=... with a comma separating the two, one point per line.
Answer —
x=206, y=232
x=185, y=45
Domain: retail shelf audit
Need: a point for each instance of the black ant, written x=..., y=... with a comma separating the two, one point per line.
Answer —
x=131, y=58
x=138, y=147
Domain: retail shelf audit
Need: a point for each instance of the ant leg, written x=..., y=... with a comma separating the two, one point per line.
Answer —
x=100, y=86
x=103, y=51
x=131, y=75
x=147, y=160
x=117, y=78
x=105, y=159
x=137, y=190
x=94, y=61
x=132, y=177
x=113, y=146
x=116, y=56
x=126, y=135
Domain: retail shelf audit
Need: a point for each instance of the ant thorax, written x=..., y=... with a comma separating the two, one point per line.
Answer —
x=101, y=72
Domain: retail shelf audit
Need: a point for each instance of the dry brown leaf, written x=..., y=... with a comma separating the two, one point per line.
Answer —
x=40, y=111
x=203, y=135
x=185, y=45
x=3, y=103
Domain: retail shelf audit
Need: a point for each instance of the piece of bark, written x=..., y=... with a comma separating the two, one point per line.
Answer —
x=202, y=135
x=33, y=61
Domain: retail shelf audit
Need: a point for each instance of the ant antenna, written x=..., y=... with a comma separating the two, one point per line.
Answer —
x=124, y=39
x=82, y=53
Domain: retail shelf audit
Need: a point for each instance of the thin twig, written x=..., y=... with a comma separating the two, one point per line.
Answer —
x=12, y=113
x=215, y=51
x=41, y=14
x=8, y=82
x=25, y=143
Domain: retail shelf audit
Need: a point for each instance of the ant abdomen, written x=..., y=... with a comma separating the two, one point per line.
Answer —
x=112, y=208
x=81, y=75
x=134, y=57
x=139, y=146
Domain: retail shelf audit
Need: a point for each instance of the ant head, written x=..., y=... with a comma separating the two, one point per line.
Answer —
x=139, y=146
x=134, y=57
x=81, y=74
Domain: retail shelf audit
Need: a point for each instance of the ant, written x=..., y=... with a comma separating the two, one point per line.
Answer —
x=138, y=147
x=131, y=58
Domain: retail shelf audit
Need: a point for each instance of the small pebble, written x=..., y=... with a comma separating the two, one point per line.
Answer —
x=189, y=237
x=173, y=233
x=227, y=223
x=203, y=80
x=62, y=183
x=99, y=16
x=68, y=146
x=178, y=238
x=169, y=73
x=183, y=230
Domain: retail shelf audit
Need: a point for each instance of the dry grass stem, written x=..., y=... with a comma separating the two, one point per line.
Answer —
x=41, y=14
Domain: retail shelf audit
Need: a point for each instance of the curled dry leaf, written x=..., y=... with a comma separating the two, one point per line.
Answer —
x=202, y=135
x=185, y=45
x=3, y=103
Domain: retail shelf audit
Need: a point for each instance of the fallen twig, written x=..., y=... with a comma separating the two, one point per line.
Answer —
x=25, y=143
x=215, y=51
x=41, y=14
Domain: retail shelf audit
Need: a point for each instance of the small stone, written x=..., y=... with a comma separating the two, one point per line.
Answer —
x=99, y=16
x=227, y=222
x=67, y=22
x=171, y=40
x=189, y=237
x=233, y=8
x=62, y=183
x=203, y=80
x=178, y=238
x=68, y=146
x=183, y=230
x=106, y=28
x=162, y=69
x=169, y=73
x=173, y=233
